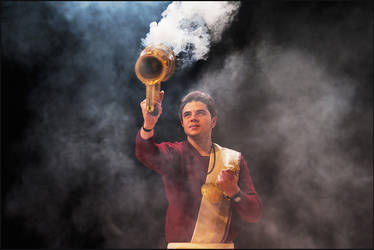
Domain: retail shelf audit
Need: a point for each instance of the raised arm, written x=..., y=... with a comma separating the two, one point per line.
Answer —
x=159, y=157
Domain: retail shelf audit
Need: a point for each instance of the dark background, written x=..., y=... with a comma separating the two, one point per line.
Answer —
x=293, y=84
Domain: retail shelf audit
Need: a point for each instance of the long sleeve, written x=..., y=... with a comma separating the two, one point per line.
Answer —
x=159, y=157
x=250, y=206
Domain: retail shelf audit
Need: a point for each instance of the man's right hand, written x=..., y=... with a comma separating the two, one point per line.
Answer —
x=150, y=120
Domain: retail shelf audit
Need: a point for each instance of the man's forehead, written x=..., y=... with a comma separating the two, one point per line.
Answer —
x=194, y=105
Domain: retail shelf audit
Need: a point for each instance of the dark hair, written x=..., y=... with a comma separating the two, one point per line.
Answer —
x=198, y=96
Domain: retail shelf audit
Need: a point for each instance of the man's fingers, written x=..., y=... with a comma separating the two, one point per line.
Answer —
x=219, y=177
x=159, y=108
x=227, y=174
x=162, y=93
x=142, y=104
x=159, y=102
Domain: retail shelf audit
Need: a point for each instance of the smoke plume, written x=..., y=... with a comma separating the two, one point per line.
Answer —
x=289, y=108
x=297, y=120
x=189, y=28
x=78, y=164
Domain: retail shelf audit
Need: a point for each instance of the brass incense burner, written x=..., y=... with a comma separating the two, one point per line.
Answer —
x=155, y=64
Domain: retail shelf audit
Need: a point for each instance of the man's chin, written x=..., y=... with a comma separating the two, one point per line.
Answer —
x=194, y=134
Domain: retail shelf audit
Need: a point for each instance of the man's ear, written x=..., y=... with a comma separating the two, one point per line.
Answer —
x=214, y=121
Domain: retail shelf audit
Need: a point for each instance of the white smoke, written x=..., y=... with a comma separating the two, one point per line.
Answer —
x=191, y=27
x=294, y=109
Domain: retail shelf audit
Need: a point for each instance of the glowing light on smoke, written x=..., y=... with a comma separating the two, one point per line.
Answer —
x=191, y=27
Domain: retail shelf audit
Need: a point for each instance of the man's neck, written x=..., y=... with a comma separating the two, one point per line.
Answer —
x=202, y=145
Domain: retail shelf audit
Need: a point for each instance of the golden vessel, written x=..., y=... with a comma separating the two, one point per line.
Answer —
x=212, y=192
x=155, y=64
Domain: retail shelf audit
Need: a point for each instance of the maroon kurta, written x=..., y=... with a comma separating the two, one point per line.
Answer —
x=183, y=172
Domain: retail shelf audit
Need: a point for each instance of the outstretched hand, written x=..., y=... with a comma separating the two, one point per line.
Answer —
x=150, y=120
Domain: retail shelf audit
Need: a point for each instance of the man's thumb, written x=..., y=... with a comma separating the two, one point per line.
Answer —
x=162, y=93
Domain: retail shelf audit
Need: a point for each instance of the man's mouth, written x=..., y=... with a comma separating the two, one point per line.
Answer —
x=194, y=126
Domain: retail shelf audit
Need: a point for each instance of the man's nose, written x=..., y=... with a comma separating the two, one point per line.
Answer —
x=193, y=118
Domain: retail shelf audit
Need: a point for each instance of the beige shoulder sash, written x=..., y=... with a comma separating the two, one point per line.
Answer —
x=215, y=208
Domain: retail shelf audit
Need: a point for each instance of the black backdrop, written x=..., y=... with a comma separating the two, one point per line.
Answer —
x=293, y=83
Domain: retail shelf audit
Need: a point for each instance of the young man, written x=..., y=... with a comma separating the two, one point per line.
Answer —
x=205, y=184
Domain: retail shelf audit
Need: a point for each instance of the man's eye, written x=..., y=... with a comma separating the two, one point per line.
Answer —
x=186, y=114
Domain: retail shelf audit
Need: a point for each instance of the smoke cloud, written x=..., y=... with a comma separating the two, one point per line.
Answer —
x=298, y=127
x=79, y=169
x=189, y=28
x=288, y=107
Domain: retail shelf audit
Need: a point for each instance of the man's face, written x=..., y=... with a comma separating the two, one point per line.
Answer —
x=197, y=120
